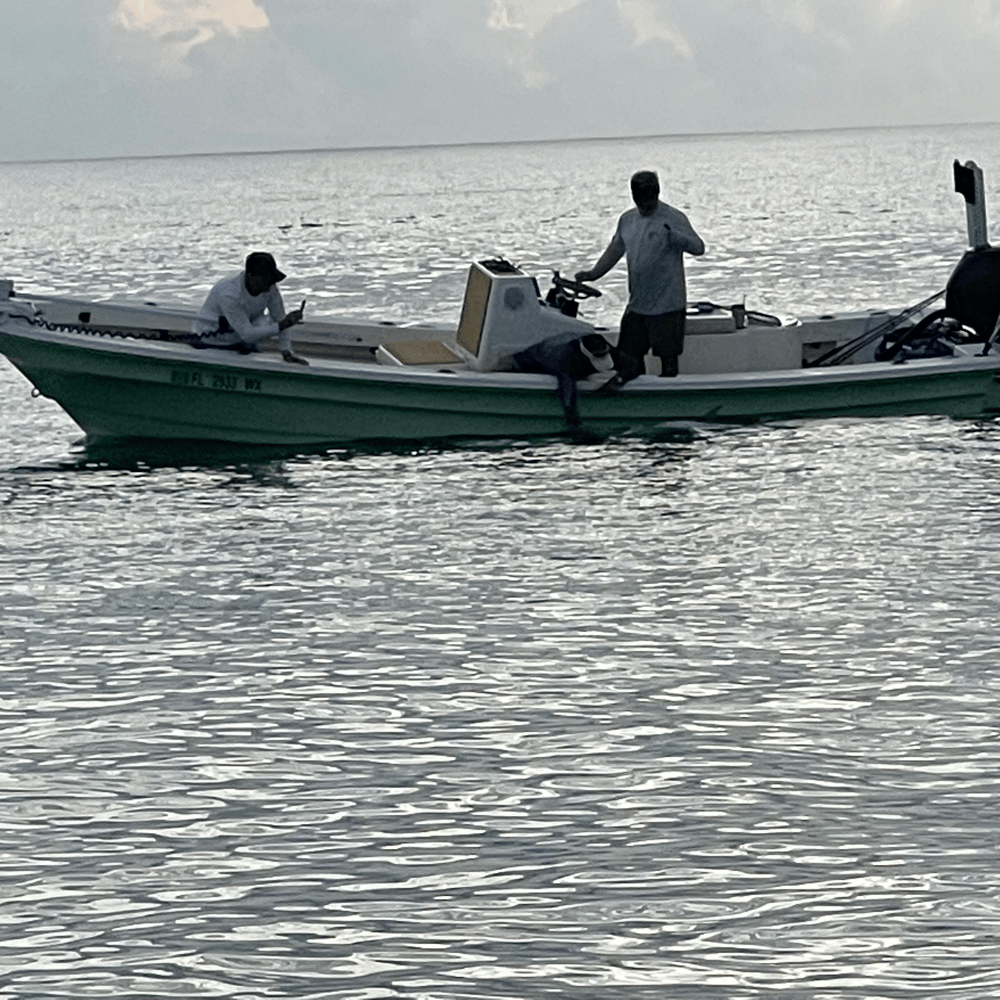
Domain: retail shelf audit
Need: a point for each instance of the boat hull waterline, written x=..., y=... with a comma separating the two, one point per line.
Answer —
x=118, y=389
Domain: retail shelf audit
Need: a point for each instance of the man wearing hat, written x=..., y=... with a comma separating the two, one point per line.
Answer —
x=569, y=359
x=233, y=317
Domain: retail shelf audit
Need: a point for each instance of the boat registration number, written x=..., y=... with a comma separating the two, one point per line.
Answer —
x=213, y=380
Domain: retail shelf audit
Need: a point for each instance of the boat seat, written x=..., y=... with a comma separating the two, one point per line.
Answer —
x=711, y=320
x=417, y=352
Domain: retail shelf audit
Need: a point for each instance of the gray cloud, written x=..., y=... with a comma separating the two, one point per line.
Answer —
x=111, y=77
x=161, y=34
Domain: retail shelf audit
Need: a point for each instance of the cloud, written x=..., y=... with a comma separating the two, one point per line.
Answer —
x=800, y=14
x=172, y=76
x=524, y=21
x=170, y=29
x=162, y=17
x=650, y=26
x=527, y=16
x=986, y=17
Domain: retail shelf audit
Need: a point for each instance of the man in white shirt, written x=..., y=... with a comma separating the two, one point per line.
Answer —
x=233, y=314
x=653, y=237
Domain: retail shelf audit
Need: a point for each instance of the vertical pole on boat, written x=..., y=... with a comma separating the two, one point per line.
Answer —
x=969, y=184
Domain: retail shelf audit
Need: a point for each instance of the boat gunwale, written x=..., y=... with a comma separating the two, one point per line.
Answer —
x=459, y=377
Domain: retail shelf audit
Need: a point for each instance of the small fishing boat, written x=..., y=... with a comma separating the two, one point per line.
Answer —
x=130, y=371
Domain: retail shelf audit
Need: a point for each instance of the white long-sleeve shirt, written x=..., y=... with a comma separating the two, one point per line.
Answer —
x=244, y=313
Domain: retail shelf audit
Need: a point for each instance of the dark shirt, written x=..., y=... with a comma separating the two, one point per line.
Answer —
x=562, y=358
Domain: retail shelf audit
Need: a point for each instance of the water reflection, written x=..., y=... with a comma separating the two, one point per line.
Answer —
x=702, y=712
x=138, y=454
x=141, y=454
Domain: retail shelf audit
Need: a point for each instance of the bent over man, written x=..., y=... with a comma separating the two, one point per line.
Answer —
x=570, y=359
x=653, y=237
x=233, y=314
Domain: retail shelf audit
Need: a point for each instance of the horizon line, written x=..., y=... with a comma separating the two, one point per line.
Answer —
x=391, y=147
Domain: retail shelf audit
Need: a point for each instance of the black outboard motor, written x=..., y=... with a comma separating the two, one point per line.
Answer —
x=972, y=295
x=969, y=316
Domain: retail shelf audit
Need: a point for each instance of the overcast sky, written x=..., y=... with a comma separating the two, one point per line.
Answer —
x=85, y=78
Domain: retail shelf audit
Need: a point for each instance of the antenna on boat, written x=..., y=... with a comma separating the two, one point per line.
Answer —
x=969, y=184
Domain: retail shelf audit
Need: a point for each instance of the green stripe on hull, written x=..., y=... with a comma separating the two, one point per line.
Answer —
x=117, y=393
x=122, y=395
x=957, y=394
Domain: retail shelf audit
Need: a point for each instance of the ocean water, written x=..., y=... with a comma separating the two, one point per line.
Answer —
x=711, y=713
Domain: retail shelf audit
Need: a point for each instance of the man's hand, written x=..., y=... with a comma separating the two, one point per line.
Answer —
x=294, y=358
x=612, y=387
x=291, y=319
x=582, y=277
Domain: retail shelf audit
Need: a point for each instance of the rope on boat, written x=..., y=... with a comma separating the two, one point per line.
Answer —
x=838, y=355
x=133, y=333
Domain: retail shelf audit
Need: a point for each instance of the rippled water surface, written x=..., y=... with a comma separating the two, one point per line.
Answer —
x=710, y=713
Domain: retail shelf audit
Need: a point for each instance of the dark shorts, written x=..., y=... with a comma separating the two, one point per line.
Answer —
x=663, y=334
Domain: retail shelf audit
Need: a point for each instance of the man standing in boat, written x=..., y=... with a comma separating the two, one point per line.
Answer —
x=653, y=237
x=233, y=314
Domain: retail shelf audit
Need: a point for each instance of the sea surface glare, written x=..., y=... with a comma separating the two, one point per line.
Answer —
x=707, y=714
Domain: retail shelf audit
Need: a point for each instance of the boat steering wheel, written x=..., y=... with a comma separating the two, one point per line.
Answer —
x=574, y=289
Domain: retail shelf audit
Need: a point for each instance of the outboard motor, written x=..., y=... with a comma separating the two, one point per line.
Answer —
x=972, y=295
x=971, y=313
x=969, y=316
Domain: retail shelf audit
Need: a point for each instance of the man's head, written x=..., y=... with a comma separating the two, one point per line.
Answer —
x=598, y=351
x=260, y=273
x=645, y=191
